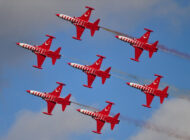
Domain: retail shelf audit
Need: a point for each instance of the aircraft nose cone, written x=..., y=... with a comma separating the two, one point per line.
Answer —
x=128, y=83
x=57, y=15
x=117, y=36
x=18, y=43
x=78, y=110
x=28, y=91
x=69, y=63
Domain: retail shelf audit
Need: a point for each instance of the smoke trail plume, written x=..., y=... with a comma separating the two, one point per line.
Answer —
x=115, y=32
x=142, y=124
x=160, y=47
x=127, y=77
x=85, y=106
x=151, y=126
x=174, y=52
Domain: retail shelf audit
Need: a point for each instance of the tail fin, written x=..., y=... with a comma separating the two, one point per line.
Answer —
x=153, y=49
x=155, y=44
x=66, y=102
x=58, y=50
x=150, y=54
x=165, y=94
x=106, y=71
x=95, y=27
x=165, y=90
x=56, y=53
x=116, y=118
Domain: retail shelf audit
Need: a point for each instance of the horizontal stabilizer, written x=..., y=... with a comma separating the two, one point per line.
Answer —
x=116, y=118
x=96, y=23
x=103, y=80
x=164, y=94
x=155, y=44
x=108, y=70
x=165, y=90
x=66, y=102
x=53, y=61
x=56, y=53
x=161, y=99
x=68, y=97
x=150, y=54
x=58, y=50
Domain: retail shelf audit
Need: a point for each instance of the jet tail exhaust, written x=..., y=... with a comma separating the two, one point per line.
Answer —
x=95, y=27
x=56, y=53
x=116, y=118
x=107, y=71
x=66, y=102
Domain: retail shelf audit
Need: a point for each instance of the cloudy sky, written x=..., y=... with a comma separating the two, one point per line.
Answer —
x=28, y=21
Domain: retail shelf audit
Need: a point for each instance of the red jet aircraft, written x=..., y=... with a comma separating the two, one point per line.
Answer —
x=102, y=117
x=93, y=70
x=140, y=44
x=82, y=22
x=53, y=98
x=43, y=51
x=152, y=90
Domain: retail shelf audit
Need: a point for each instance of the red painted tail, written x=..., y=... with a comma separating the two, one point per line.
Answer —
x=66, y=102
x=95, y=27
x=164, y=94
x=107, y=71
x=56, y=54
x=115, y=118
x=153, y=49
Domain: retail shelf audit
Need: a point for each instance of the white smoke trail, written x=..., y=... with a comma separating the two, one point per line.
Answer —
x=160, y=47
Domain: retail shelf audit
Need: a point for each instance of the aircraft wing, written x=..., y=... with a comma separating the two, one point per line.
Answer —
x=149, y=98
x=107, y=109
x=79, y=31
x=146, y=36
x=40, y=59
x=47, y=43
x=50, y=106
x=87, y=14
x=100, y=125
x=57, y=91
x=138, y=52
x=156, y=83
x=98, y=63
x=91, y=79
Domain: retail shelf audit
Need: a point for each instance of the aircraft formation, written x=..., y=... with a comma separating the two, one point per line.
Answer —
x=93, y=71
